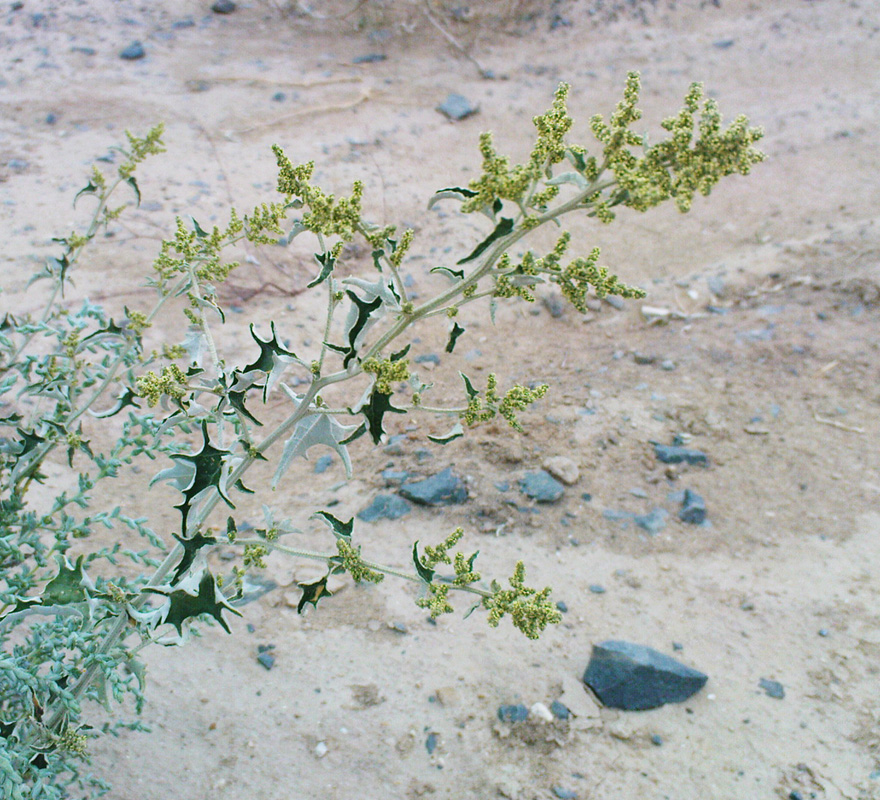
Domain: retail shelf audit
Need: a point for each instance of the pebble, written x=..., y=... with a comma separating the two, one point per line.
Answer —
x=516, y=713
x=279, y=97
x=559, y=710
x=824, y=632
x=562, y=468
x=395, y=445
x=442, y=489
x=597, y=588
x=266, y=659
x=653, y=522
x=223, y=7
x=541, y=487
x=675, y=454
x=772, y=689
x=133, y=52
x=553, y=303
x=693, y=508
x=394, y=477
x=643, y=358
x=369, y=58
x=427, y=358
x=51, y=118
x=564, y=794
x=656, y=740
x=457, y=107
x=321, y=749
x=667, y=365
x=562, y=606
x=541, y=712
x=431, y=742
x=385, y=506
x=723, y=44
x=615, y=302
x=716, y=285
x=633, y=677
x=323, y=464
x=502, y=486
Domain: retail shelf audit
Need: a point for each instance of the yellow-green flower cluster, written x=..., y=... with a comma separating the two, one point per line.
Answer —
x=255, y=555
x=402, y=247
x=440, y=553
x=582, y=273
x=386, y=372
x=139, y=149
x=354, y=564
x=437, y=600
x=171, y=382
x=530, y=265
x=500, y=180
x=326, y=214
x=530, y=610
x=517, y=398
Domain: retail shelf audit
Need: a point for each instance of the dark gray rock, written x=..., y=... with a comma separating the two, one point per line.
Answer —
x=394, y=477
x=133, y=52
x=457, y=107
x=385, y=506
x=395, y=444
x=541, y=486
x=716, y=285
x=643, y=358
x=693, y=508
x=517, y=713
x=442, y=489
x=223, y=7
x=559, y=710
x=657, y=740
x=772, y=689
x=562, y=606
x=266, y=659
x=653, y=522
x=431, y=742
x=279, y=97
x=633, y=677
x=675, y=454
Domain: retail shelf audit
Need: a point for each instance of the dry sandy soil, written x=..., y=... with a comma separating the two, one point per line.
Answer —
x=778, y=384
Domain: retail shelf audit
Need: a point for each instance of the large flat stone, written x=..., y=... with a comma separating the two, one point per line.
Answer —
x=442, y=489
x=633, y=677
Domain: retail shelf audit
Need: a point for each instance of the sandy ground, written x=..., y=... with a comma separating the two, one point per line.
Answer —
x=778, y=385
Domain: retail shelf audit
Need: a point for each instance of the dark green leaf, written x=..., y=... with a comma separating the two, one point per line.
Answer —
x=200, y=231
x=239, y=484
x=191, y=547
x=312, y=593
x=469, y=388
x=377, y=259
x=378, y=405
x=454, y=192
x=185, y=606
x=209, y=469
x=456, y=331
x=89, y=188
x=361, y=430
x=400, y=353
x=66, y=587
x=30, y=440
x=501, y=229
x=427, y=575
x=111, y=329
x=231, y=528
x=130, y=180
x=340, y=528
x=127, y=398
x=456, y=432
x=327, y=263
x=364, y=310
x=458, y=274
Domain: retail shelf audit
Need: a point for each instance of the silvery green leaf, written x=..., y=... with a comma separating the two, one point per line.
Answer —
x=574, y=178
x=526, y=280
x=194, y=344
x=180, y=476
x=373, y=289
x=450, y=193
x=501, y=229
x=456, y=432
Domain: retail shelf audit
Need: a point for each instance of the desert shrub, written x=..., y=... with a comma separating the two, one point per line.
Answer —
x=74, y=615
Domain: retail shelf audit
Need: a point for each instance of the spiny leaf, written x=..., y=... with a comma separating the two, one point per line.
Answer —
x=456, y=331
x=375, y=409
x=574, y=178
x=191, y=548
x=200, y=231
x=427, y=575
x=339, y=527
x=364, y=310
x=67, y=586
x=469, y=387
x=501, y=229
x=456, y=432
x=184, y=606
x=458, y=274
x=400, y=353
x=89, y=188
x=327, y=263
x=312, y=593
x=126, y=398
x=450, y=192
x=131, y=181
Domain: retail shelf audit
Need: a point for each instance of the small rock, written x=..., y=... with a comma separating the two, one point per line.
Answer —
x=615, y=302
x=447, y=696
x=279, y=97
x=643, y=358
x=553, y=303
x=653, y=522
x=133, y=52
x=51, y=118
x=323, y=463
x=675, y=454
x=597, y=588
x=394, y=477
x=369, y=58
x=716, y=285
x=772, y=689
x=502, y=486
x=564, y=794
x=442, y=489
x=723, y=44
x=559, y=710
x=517, y=713
x=395, y=444
x=562, y=607
x=824, y=632
x=223, y=7
x=667, y=365
x=431, y=742
x=541, y=487
x=633, y=677
x=656, y=740
x=427, y=358
x=562, y=468
x=457, y=107
x=321, y=749
x=385, y=506
x=266, y=659
x=540, y=712
x=693, y=508
x=677, y=646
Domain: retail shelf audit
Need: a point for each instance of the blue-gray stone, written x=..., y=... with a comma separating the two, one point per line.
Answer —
x=633, y=677
x=385, y=506
x=562, y=606
x=675, y=454
x=517, y=713
x=395, y=444
x=693, y=508
x=653, y=522
x=564, y=794
x=223, y=7
x=369, y=58
x=431, y=742
x=266, y=659
x=656, y=740
x=541, y=486
x=427, y=358
x=457, y=107
x=133, y=52
x=597, y=588
x=323, y=463
x=502, y=486
x=559, y=710
x=772, y=688
x=442, y=489
x=394, y=477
